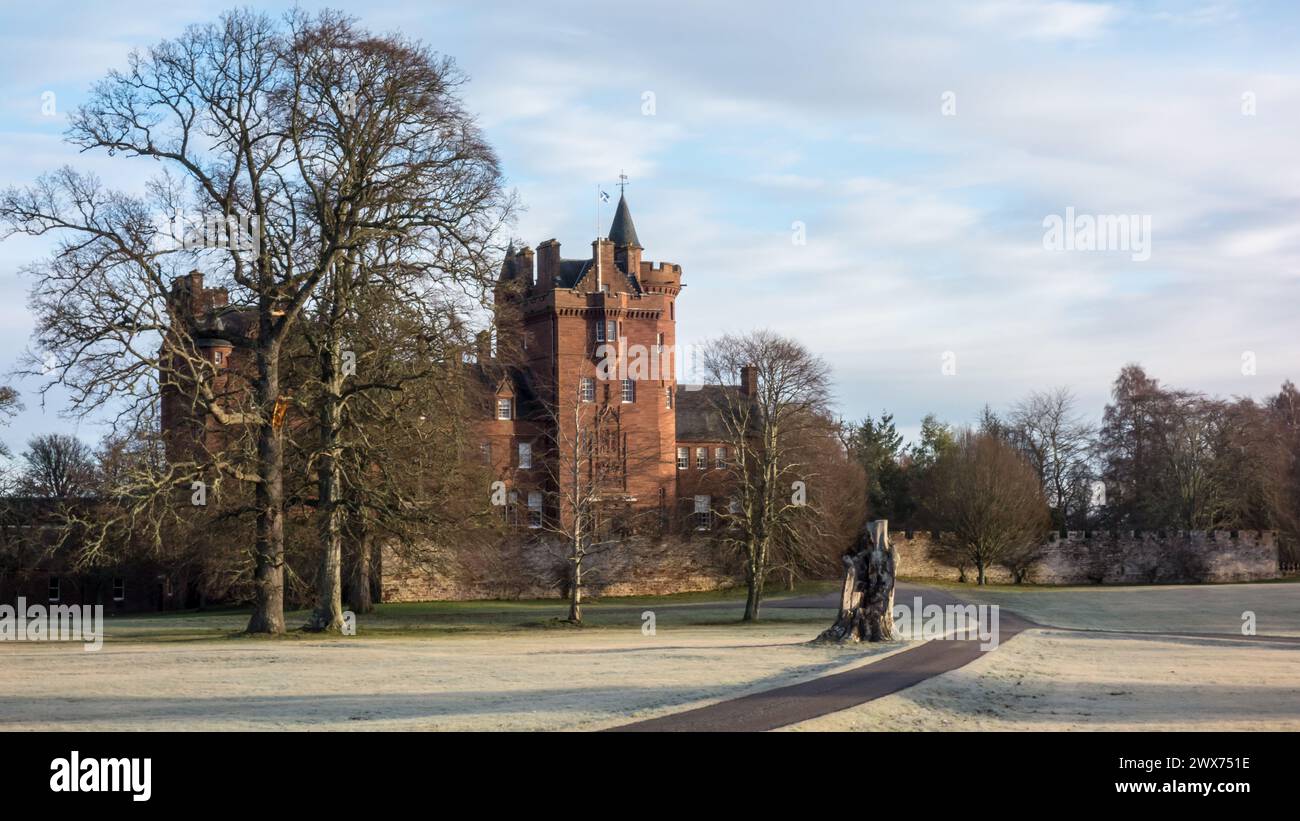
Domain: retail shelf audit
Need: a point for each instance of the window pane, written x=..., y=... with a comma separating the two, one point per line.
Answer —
x=534, y=509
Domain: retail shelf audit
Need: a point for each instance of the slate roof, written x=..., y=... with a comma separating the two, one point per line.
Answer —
x=623, y=232
x=571, y=271
x=696, y=409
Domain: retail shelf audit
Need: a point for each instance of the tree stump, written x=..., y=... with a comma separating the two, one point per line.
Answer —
x=867, y=598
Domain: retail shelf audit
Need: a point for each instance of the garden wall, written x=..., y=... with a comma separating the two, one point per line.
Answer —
x=514, y=570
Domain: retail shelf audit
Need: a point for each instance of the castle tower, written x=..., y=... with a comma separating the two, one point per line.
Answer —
x=601, y=331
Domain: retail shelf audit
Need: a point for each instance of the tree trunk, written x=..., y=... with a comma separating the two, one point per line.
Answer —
x=867, y=597
x=575, y=591
x=328, y=614
x=979, y=570
x=754, y=582
x=268, y=574
x=362, y=599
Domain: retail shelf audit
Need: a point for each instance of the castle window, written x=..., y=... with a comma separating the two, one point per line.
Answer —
x=504, y=408
x=588, y=389
x=720, y=458
x=683, y=458
x=668, y=397
x=659, y=339
x=216, y=358
x=54, y=588
x=485, y=451
x=119, y=589
x=526, y=455
x=629, y=390
x=534, y=509
x=702, y=458
x=606, y=330
x=703, y=516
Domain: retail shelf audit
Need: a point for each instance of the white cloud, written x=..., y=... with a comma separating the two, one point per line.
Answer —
x=1045, y=20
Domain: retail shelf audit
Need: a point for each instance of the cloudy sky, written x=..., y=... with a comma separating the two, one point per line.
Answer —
x=916, y=148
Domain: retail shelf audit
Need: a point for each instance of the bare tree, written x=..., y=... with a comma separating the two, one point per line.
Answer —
x=987, y=499
x=833, y=493
x=226, y=108
x=588, y=509
x=406, y=481
x=10, y=405
x=203, y=106
x=784, y=392
x=1058, y=443
x=57, y=466
x=400, y=178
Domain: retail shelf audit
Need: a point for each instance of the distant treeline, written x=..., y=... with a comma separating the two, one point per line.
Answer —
x=1161, y=458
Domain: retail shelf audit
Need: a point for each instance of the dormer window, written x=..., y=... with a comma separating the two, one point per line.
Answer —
x=505, y=409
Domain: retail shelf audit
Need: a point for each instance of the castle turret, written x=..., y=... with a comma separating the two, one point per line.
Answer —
x=622, y=233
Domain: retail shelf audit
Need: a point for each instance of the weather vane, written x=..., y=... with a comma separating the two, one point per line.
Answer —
x=622, y=182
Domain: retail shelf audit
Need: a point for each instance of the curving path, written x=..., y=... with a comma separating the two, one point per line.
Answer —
x=799, y=702
x=794, y=703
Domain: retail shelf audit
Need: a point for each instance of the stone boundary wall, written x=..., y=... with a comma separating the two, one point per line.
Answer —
x=1127, y=557
x=652, y=567
x=641, y=567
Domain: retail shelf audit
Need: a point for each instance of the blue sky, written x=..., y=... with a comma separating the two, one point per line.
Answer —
x=924, y=231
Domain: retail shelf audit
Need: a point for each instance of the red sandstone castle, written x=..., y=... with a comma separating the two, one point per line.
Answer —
x=597, y=341
x=594, y=346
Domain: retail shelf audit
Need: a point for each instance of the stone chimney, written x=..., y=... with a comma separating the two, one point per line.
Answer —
x=602, y=255
x=483, y=346
x=628, y=258
x=524, y=266
x=749, y=380
x=548, y=265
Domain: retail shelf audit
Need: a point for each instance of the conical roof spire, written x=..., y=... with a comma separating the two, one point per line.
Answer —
x=623, y=232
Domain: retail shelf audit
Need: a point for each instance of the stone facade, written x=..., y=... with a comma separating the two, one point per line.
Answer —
x=1156, y=557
